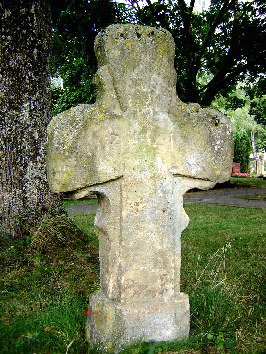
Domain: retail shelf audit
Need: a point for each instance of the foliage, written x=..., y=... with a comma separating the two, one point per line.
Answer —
x=43, y=295
x=258, y=109
x=73, y=56
x=214, y=49
x=242, y=150
x=237, y=105
x=257, y=96
x=59, y=99
x=240, y=118
x=221, y=44
x=260, y=140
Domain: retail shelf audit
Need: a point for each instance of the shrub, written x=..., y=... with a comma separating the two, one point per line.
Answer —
x=242, y=150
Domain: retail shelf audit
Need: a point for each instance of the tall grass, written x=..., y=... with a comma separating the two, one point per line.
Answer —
x=223, y=272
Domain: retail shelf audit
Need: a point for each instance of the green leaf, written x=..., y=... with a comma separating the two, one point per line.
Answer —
x=209, y=336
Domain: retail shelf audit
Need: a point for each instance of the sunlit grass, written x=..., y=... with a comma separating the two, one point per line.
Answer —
x=223, y=254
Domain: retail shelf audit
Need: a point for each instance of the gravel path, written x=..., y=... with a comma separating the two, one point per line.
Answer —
x=226, y=196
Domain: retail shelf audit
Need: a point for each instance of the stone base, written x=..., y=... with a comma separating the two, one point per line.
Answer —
x=119, y=324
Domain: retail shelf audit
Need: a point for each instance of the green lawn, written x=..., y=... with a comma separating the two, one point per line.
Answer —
x=47, y=281
x=80, y=202
x=254, y=197
x=251, y=182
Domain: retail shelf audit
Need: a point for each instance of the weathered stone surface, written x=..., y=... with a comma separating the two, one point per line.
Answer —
x=140, y=149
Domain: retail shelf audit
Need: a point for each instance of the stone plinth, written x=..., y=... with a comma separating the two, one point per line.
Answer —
x=139, y=148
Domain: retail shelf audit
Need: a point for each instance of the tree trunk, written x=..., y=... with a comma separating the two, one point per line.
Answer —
x=25, y=114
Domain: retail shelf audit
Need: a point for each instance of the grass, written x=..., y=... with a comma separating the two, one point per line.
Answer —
x=223, y=272
x=46, y=283
x=247, y=182
x=80, y=202
x=254, y=197
x=45, y=287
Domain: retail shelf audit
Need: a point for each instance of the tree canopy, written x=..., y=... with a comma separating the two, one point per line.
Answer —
x=73, y=56
x=215, y=49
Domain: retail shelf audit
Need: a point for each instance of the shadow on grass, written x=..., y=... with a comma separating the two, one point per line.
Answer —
x=45, y=287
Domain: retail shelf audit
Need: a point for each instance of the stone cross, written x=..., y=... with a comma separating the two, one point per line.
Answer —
x=139, y=148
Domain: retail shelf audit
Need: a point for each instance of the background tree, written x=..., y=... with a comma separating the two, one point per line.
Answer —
x=215, y=49
x=242, y=150
x=222, y=43
x=73, y=57
x=257, y=94
x=258, y=110
x=248, y=133
x=24, y=114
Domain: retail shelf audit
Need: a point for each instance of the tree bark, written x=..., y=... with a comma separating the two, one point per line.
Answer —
x=24, y=114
